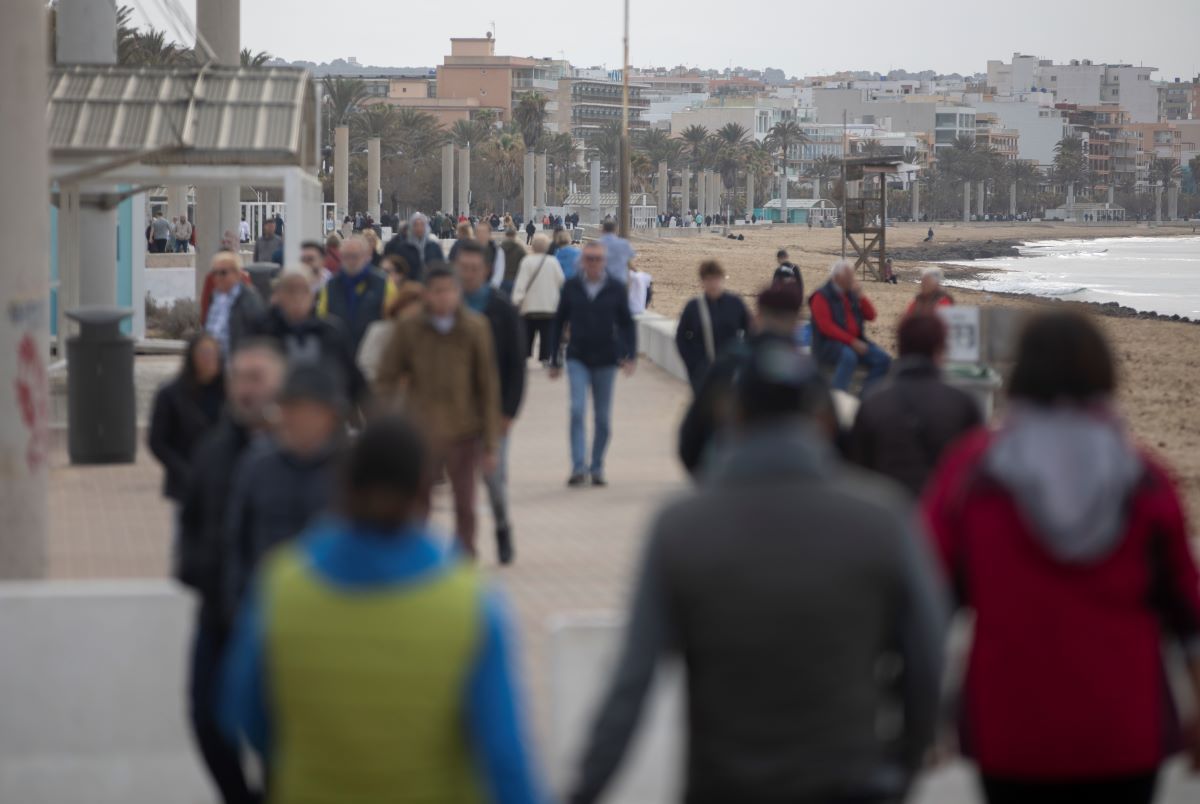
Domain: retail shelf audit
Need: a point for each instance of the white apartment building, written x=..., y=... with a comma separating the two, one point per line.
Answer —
x=1014, y=78
x=1031, y=113
x=1088, y=84
x=945, y=119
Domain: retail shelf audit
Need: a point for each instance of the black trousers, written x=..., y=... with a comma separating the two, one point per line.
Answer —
x=160, y=247
x=222, y=759
x=540, y=325
x=1137, y=789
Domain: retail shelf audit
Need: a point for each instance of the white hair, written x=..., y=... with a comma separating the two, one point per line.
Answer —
x=933, y=271
x=838, y=266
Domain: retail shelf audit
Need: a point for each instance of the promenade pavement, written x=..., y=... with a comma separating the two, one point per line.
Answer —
x=575, y=547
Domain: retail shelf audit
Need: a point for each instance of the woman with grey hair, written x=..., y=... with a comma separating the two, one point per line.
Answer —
x=931, y=296
x=418, y=246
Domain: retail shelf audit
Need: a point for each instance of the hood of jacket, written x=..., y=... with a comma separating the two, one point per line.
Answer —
x=782, y=449
x=1071, y=472
x=412, y=239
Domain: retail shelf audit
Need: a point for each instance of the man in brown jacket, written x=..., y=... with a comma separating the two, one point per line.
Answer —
x=440, y=368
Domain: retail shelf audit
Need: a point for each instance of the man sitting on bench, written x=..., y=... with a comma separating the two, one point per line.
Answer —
x=839, y=315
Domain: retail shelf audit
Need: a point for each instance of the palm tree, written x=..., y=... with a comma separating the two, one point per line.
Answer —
x=561, y=156
x=530, y=116
x=1024, y=178
x=1070, y=162
x=503, y=157
x=1164, y=172
x=343, y=98
x=1194, y=167
x=824, y=168
x=695, y=137
x=871, y=147
x=376, y=120
x=258, y=59
x=418, y=135
x=781, y=138
x=605, y=145
x=151, y=48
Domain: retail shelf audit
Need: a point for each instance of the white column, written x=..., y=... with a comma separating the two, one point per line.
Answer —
x=966, y=201
x=1173, y=202
x=685, y=193
x=527, y=180
x=24, y=293
x=539, y=183
x=341, y=171
x=702, y=193
x=749, y=193
x=1111, y=199
x=595, y=182
x=447, y=178
x=1012, y=199
x=715, y=188
x=218, y=209
x=1158, y=194
x=177, y=201
x=373, y=178
x=86, y=33
x=464, y=181
x=979, y=200
x=915, y=188
x=68, y=259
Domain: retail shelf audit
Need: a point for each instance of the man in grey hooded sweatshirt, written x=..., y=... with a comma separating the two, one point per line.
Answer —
x=418, y=246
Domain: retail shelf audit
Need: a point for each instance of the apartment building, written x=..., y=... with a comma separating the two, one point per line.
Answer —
x=473, y=74
x=586, y=105
x=1175, y=100
x=944, y=118
x=1041, y=125
x=991, y=133
x=1085, y=83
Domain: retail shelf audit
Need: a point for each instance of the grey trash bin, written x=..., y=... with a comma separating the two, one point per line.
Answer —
x=262, y=274
x=101, y=404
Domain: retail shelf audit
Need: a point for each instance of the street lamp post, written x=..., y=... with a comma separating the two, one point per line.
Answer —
x=623, y=186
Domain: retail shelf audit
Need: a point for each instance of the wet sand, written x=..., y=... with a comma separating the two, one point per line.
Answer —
x=1159, y=360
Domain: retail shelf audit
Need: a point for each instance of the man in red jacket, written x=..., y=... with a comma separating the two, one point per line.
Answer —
x=839, y=315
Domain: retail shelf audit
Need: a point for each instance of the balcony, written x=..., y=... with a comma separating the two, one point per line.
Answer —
x=535, y=85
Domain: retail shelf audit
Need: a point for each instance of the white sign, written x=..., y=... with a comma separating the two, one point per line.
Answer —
x=964, y=336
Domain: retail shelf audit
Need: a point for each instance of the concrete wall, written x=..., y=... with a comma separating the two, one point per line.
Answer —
x=656, y=340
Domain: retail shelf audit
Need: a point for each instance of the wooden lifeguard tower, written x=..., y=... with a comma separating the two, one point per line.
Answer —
x=864, y=224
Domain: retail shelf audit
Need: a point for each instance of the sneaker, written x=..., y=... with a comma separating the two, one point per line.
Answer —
x=575, y=481
x=504, y=545
x=599, y=481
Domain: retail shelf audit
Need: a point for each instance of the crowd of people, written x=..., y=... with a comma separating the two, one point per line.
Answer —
x=805, y=582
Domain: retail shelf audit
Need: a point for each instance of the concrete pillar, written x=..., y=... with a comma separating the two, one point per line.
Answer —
x=177, y=201
x=341, y=171
x=24, y=293
x=86, y=33
x=966, y=201
x=702, y=193
x=447, y=178
x=1012, y=199
x=685, y=192
x=749, y=193
x=1071, y=200
x=1111, y=195
x=664, y=188
x=1158, y=194
x=979, y=199
x=218, y=209
x=1173, y=202
x=816, y=188
x=464, y=180
x=539, y=183
x=595, y=187
x=714, y=191
x=373, y=177
x=527, y=183
x=783, y=194
x=916, y=200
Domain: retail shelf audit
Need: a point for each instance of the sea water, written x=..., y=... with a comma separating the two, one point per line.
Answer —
x=1149, y=274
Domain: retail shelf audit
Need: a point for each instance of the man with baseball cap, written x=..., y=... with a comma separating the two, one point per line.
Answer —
x=284, y=483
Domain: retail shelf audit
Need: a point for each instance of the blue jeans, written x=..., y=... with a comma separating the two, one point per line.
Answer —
x=497, y=486
x=876, y=360
x=601, y=380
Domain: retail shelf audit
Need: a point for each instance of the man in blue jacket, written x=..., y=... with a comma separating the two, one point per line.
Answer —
x=371, y=663
x=603, y=338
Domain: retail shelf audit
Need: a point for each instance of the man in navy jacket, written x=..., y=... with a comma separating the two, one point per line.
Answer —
x=603, y=337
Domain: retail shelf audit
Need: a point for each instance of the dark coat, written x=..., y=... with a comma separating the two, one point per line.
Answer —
x=202, y=515
x=825, y=349
x=356, y=301
x=508, y=338
x=274, y=496
x=602, y=329
x=244, y=315
x=905, y=425
x=318, y=340
x=418, y=260
x=183, y=413
x=730, y=320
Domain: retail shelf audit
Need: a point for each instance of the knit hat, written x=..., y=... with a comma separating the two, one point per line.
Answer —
x=314, y=383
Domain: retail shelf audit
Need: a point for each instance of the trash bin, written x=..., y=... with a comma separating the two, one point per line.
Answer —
x=101, y=403
x=262, y=274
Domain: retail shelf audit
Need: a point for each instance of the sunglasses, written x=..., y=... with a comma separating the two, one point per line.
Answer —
x=221, y=272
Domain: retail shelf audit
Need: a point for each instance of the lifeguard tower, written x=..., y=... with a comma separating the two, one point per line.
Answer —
x=864, y=226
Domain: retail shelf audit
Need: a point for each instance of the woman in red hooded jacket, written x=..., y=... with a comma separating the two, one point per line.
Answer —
x=1069, y=545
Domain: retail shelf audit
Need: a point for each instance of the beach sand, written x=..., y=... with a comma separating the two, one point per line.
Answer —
x=1159, y=360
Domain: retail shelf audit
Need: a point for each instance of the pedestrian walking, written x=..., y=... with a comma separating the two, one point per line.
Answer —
x=641, y=289
x=709, y=323
x=932, y=295
x=1059, y=503
x=786, y=270
x=530, y=231
x=508, y=339
x=418, y=246
x=441, y=368
x=839, y=315
x=905, y=425
x=183, y=234
x=536, y=292
x=603, y=337
x=567, y=253
x=236, y=308
x=255, y=375
x=618, y=252
x=284, y=483
x=781, y=584
x=356, y=295
x=514, y=253
x=269, y=247
x=368, y=642
x=160, y=233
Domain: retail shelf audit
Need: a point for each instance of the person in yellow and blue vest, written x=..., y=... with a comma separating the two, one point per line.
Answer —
x=370, y=664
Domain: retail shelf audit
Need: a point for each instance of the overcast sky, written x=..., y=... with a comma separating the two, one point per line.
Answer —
x=800, y=38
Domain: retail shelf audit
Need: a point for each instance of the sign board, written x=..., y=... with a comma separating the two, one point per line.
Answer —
x=964, y=336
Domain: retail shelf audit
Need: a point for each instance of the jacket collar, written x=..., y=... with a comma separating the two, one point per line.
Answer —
x=788, y=448
x=916, y=367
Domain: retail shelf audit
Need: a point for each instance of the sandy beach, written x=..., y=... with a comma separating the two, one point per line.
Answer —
x=1159, y=360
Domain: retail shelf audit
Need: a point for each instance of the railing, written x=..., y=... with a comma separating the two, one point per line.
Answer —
x=535, y=83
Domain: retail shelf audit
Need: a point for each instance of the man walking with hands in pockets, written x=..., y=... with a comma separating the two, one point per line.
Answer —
x=602, y=338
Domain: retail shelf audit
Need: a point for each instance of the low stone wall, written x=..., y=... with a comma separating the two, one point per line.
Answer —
x=656, y=340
